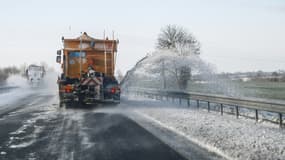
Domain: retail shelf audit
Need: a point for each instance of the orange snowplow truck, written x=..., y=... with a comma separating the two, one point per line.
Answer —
x=88, y=70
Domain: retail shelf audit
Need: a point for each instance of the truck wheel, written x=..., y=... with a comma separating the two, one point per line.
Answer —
x=81, y=100
x=116, y=97
x=60, y=100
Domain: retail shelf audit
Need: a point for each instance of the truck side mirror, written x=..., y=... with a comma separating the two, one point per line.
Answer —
x=58, y=59
x=58, y=52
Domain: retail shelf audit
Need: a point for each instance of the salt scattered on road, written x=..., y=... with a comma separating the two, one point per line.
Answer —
x=23, y=145
x=20, y=130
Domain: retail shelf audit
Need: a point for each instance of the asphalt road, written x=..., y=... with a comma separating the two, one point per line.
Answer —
x=35, y=127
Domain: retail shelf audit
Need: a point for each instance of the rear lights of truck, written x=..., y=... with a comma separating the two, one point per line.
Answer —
x=68, y=88
x=115, y=90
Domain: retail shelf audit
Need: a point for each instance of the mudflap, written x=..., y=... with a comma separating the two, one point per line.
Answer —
x=66, y=98
x=60, y=99
x=81, y=99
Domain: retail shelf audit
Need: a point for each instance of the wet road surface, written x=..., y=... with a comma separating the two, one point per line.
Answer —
x=36, y=128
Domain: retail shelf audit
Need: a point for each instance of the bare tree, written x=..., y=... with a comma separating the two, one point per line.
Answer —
x=275, y=76
x=183, y=43
x=179, y=39
x=3, y=76
x=7, y=71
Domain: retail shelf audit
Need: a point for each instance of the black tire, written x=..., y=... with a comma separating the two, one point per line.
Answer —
x=81, y=100
x=117, y=97
x=60, y=104
x=60, y=99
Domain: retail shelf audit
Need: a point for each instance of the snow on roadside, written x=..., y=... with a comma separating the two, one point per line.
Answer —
x=14, y=95
x=21, y=90
x=236, y=138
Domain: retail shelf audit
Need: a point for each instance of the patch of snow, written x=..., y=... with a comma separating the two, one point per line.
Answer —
x=85, y=139
x=3, y=153
x=245, y=79
x=207, y=146
x=20, y=130
x=23, y=89
x=23, y=145
x=201, y=82
x=14, y=95
x=28, y=140
x=17, y=138
x=230, y=137
x=32, y=156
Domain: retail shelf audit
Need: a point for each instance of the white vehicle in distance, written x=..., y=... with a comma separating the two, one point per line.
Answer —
x=35, y=74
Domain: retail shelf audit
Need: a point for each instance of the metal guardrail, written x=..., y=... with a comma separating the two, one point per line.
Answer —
x=255, y=104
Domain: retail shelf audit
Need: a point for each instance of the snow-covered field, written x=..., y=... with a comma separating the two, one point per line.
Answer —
x=230, y=137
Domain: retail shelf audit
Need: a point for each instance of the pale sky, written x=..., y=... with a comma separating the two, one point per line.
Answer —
x=236, y=35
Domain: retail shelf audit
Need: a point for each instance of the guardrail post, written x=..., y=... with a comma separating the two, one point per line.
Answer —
x=222, y=109
x=280, y=120
x=198, y=103
x=188, y=102
x=179, y=101
x=237, y=111
x=256, y=115
x=208, y=106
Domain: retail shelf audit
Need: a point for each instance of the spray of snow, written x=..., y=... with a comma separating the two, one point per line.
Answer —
x=17, y=81
x=22, y=88
x=165, y=65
